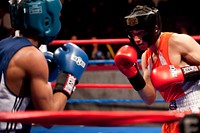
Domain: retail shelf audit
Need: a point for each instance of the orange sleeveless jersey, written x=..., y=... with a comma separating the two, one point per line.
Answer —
x=172, y=91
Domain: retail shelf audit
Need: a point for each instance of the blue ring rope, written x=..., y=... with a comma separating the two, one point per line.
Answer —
x=107, y=101
x=104, y=61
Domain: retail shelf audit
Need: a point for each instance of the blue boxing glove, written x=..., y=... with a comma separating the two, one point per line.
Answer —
x=53, y=67
x=72, y=61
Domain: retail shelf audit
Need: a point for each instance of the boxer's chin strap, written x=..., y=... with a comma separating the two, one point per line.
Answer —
x=191, y=73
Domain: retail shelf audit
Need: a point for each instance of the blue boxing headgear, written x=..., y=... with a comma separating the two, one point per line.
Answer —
x=144, y=18
x=40, y=17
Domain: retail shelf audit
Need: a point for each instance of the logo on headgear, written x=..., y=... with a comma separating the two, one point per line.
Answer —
x=35, y=9
x=132, y=21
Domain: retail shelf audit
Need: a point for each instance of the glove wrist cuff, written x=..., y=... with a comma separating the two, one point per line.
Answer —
x=137, y=82
x=191, y=73
x=65, y=83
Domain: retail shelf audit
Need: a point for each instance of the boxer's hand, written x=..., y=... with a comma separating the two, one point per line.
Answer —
x=126, y=61
x=72, y=61
x=171, y=74
x=53, y=67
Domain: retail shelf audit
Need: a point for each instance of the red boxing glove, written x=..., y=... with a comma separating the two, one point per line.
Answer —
x=171, y=74
x=126, y=61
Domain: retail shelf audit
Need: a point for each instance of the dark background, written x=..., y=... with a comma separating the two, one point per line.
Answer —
x=104, y=19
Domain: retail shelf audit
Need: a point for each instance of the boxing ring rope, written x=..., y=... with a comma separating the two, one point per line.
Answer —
x=90, y=118
x=105, y=101
x=102, y=41
x=109, y=101
x=101, y=86
x=96, y=62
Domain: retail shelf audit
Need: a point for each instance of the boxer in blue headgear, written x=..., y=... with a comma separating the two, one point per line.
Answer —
x=24, y=71
x=36, y=17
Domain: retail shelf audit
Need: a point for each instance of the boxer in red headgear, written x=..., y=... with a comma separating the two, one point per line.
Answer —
x=170, y=63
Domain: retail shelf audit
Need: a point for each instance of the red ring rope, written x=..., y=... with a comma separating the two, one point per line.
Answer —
x=101, y=41
x=90, y=118
x=91, y=41
x=101, y=86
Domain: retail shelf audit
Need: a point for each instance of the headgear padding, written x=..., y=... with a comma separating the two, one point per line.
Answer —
x=41, y=17
x=144, y=18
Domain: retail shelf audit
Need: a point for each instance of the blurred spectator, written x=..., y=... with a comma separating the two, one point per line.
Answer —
x=5, y=23
x=183, y=30
x=96, y=52
x=75, y=37
x=182, y=26
x=110, y=53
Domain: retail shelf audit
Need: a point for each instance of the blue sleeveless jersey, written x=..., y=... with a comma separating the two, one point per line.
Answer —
x=8, y=101
x=8, y=47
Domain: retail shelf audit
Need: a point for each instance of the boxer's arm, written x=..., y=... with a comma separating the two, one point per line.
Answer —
x=72, y=61
x=171, y=74
x=184, y=47
x=126, y=61
x=148, y=93
x=41, y=91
